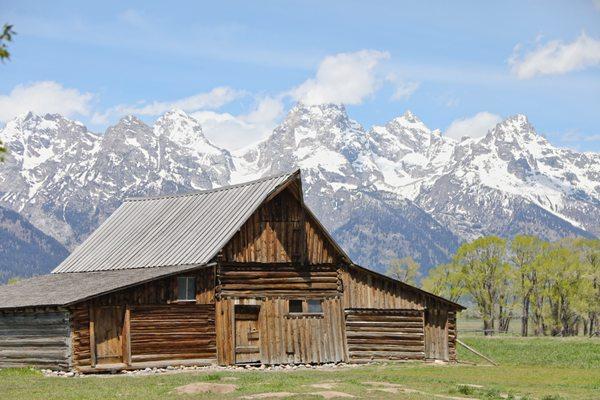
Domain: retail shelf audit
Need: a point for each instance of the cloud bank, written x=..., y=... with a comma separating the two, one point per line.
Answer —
x=44, y=97
x=556, y=57
x=347, y=78
x=476, y=126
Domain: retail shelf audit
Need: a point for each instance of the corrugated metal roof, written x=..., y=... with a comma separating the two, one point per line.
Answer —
x=187, y=229
x=65, y=289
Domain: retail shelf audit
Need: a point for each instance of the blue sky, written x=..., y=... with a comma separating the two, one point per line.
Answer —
x=239, y=66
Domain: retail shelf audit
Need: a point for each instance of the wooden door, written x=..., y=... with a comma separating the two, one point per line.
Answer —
x=247, y=335
x=436, y=334
x=108, y=334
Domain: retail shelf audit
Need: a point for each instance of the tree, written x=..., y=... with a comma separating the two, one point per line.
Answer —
x=589, y=294
x=446, y=281
x=6, y=36
x=525, y=250
x=484, y=271
x=404, y=269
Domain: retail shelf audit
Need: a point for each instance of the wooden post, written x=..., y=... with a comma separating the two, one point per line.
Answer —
x=92, y=337
x=127, y=337
x=475, y=351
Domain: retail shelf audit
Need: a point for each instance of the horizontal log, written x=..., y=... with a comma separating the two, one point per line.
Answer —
x=309, y=293
x=283, y=286
x=159, y=357
x=386, y=347
x=383, y=318
x=382, y=329
x=141, y=348
x=52, y=341
x=227, y=275
x=175, y=307
x=33, y=362
x=384, y=323
x=28, y=352
x=159, y=335
x=390, y=335
x=389, y=355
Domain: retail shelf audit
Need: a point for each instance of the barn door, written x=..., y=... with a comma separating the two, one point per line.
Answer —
x=247, y=338
x=108, y=334
x=436, y=334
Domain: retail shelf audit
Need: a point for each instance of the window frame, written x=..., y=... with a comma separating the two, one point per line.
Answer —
x=187, y=279
x=305, y=312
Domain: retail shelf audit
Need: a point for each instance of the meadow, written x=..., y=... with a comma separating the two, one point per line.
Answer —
x=530, y=368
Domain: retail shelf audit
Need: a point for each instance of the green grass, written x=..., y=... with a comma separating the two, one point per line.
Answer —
x=530, y=368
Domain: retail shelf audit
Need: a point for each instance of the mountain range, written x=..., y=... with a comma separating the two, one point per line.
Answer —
x=388, y=191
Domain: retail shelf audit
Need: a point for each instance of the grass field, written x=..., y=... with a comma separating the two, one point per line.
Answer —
x=530, y=368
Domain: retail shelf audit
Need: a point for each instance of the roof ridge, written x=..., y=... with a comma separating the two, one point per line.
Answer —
x=207, y=191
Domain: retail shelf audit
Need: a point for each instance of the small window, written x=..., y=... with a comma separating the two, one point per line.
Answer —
x=295, y=306
x=315, y=307
x=186, y=288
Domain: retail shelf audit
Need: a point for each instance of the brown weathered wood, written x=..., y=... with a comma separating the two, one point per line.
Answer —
x=127, y=337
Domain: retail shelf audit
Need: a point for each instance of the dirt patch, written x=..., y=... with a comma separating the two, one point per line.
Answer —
x=330, y=394
x=205, y=387
x=230, y=378
x=395, y=388
x=324, y=385
x=273, y=395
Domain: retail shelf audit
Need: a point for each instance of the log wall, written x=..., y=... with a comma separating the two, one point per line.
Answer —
x=154, y=295
x=380, y=335
x=363, y=289
x=80, y=336
x=172, y=332
x=283, y=279
x=281, y=231
x=452, y=336
x=38, y=338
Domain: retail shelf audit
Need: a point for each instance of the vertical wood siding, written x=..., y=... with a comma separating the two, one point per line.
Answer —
x=38, y=338
x=285, y=338
x=376, y=334
x=280, y=231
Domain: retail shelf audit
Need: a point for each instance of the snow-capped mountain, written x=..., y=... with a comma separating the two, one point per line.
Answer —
x=513, y=180
x=392, y=190
x=66, y=180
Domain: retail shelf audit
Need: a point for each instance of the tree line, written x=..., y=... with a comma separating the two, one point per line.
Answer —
x=553, y=286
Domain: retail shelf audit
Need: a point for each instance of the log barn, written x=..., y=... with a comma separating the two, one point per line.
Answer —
x=243, y=274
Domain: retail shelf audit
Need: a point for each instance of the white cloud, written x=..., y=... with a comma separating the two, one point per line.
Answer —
x=556, y=57
x=44, y=97
x=343, y=78
x=212, y=100
x=596, y=4
x=475, y=126
x=237, y=131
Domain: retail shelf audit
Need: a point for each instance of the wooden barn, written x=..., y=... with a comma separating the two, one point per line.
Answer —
x=236, y=275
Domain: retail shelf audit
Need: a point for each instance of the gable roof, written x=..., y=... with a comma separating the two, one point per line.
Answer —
x=182, y=230
x=66, y=289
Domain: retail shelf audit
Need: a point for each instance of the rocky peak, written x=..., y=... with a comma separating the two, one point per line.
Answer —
x=185, y=131
x=515, y=130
